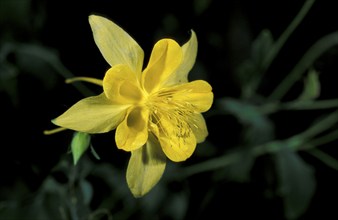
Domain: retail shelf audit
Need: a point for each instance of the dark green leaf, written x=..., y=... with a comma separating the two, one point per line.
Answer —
x=251, y=70
x=239, y=170
x=87, y=191
x=261, y=48
x=177, y=206
x=296, y=183
x=257, y=127
x=311, y=86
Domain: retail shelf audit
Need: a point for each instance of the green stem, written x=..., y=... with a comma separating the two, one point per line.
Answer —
x=282, y=39
x=320, y=141
x=309, y=57
x=294, y=143
x=332, y=136
x=320, y=126
x=325, y=158
x=310, y=105
x=286, y=34
x=211, y=164
x=299, y=105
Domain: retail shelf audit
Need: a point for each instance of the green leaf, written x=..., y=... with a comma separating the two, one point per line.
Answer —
x=251, y=70
x=87, y=191
x=177, y=206
x=257, y=126
x=239, y=170
x=79, y=145
x=311, y=86
x=145, y=168
x=297, y=183
x=311, y=55
x=261, y=48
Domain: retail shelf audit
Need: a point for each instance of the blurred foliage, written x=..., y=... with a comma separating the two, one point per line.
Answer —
x=271, y=151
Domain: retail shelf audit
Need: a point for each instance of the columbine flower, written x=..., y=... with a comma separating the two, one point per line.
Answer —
x=156, y=112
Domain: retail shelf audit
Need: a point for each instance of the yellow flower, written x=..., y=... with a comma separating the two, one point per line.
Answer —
x=156, y=112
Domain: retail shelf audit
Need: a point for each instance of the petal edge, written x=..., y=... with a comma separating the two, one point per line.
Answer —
x=95, y=114
x=116, y=45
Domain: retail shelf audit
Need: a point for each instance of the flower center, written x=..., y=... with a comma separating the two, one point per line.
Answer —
x=170, y=115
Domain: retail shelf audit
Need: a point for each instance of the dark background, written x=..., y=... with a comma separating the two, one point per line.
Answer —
x=225, y=31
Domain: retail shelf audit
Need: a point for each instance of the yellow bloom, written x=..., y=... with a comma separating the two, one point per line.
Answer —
x=156, y=112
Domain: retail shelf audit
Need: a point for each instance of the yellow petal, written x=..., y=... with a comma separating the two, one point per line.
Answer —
x=121, y=85
x=199, y=127
x=164, y=60
x=176, y=138
x=116, y=45
x=132, y=133
x=145, y=168
x=197, y=93
x=189, y=56
x=94, y=114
